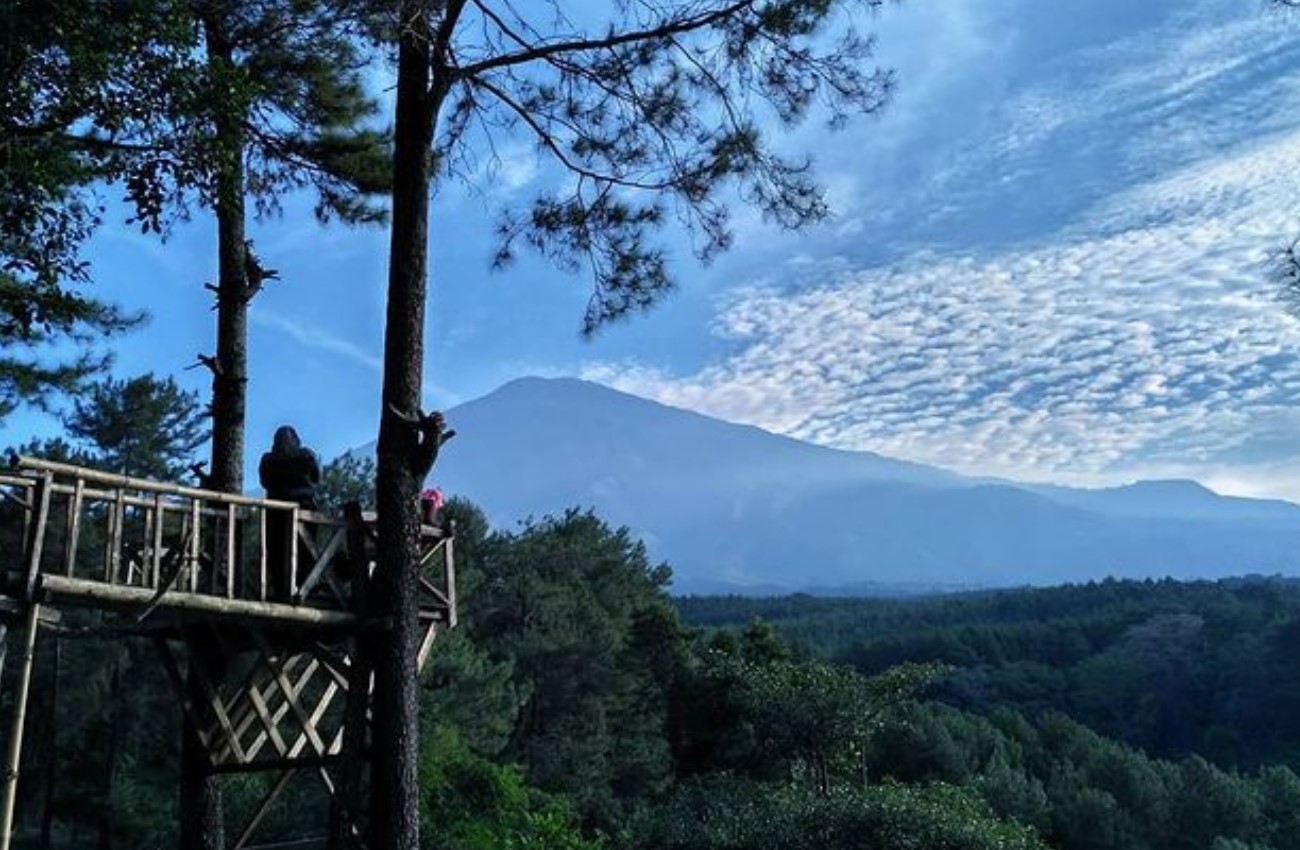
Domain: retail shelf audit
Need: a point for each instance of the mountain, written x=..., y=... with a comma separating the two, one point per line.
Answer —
x=734, y=508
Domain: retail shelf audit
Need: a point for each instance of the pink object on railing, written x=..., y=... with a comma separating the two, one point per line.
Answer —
x=432, y=501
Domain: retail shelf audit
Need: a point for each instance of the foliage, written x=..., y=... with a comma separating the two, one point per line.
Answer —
x=346, y=478
x=723, y=813
x=558, y=602
x=649, y=114
x=1171, y=667
x=60, y=61
x=571, y=709
x=144, y=427
x=471, y=803
x=271, y=90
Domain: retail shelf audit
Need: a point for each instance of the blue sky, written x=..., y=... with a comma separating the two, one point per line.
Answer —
x=1047, y=263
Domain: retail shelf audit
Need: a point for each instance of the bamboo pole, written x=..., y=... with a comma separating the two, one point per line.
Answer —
x=37, y=529
x=232, y=520
x=450, y=573
x=10, y=797
x=114, y=565
x=74, y=527
x=196, y=544
x=98, y=592
x=155, y=560
x=120, y=481
x=261, y=554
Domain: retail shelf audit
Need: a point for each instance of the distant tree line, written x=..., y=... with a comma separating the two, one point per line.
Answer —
x=1173, y=668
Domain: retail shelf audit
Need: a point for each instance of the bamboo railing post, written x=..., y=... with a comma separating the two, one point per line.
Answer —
x=232, y=557
x=261, y=554
x=450, y=561
x=196, y=543
x=114, y=565
x=36, y=545
x=291, y=556
x=155, y=560
x=74, y=527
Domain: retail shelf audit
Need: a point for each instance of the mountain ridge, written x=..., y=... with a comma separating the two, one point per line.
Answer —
x=733, y=507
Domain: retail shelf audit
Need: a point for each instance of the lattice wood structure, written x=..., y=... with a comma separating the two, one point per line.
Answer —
x=276, y=591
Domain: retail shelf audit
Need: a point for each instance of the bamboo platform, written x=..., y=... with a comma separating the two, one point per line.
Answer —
x=277, y=590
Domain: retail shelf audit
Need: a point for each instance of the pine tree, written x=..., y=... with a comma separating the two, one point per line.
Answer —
x=61, y=63
x=649, y=108
x=266, y=99
x=144, y=427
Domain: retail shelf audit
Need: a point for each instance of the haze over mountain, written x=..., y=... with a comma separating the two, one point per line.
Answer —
x=735, y=508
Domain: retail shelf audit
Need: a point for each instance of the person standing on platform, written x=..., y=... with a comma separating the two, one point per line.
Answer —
x=289, y=472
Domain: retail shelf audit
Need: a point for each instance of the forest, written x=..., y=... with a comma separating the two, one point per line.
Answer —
x=580, y=705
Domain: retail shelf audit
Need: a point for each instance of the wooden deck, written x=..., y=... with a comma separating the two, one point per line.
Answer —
x=275, y=589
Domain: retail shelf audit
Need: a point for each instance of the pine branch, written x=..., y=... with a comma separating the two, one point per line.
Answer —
x=670, y=27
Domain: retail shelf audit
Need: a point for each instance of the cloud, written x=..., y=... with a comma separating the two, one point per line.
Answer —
x=319, y=339
x=1123, y=325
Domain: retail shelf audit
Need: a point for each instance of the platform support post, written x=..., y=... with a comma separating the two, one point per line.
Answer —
x=15, y=751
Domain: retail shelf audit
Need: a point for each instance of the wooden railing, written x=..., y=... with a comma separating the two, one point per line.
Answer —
x=112, y=539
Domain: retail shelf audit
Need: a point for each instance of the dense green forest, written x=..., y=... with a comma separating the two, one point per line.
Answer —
x=1173, y=668
x=579, y=705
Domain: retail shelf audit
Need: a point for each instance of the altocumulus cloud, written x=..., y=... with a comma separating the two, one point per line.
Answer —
x=1140, y=336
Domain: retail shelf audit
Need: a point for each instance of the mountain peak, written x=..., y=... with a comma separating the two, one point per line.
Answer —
x=734, y=506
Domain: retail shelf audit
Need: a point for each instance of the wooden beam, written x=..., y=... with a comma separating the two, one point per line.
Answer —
x=232, y=521
x=113, y=561
x=143, y=484
x=261, y=554
x=449, y=570
x=426, y=646
x=263, y=765
x=291, y=556
x=290, y=696
x=262, y=808
x=324, y=561
x=94, y=592
x=218, y=707
x=196, y=546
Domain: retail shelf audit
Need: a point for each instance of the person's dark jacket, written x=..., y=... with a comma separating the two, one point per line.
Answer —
x=290, y=471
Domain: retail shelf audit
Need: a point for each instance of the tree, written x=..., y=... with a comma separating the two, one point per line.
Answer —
x=575, y=610
x=61, y=61
x=653, y=106
x=729, y=813
x=143, y=427
x=265, y=98
x=347, y=478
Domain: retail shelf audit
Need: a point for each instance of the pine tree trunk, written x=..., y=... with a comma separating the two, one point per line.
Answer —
x=394, y=820
x=229, y=386
x=202, y=821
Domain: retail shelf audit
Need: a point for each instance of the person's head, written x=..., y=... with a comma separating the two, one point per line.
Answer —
x=286, y=439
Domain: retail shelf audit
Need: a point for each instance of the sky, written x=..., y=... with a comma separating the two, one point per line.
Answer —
x=1049, y=261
